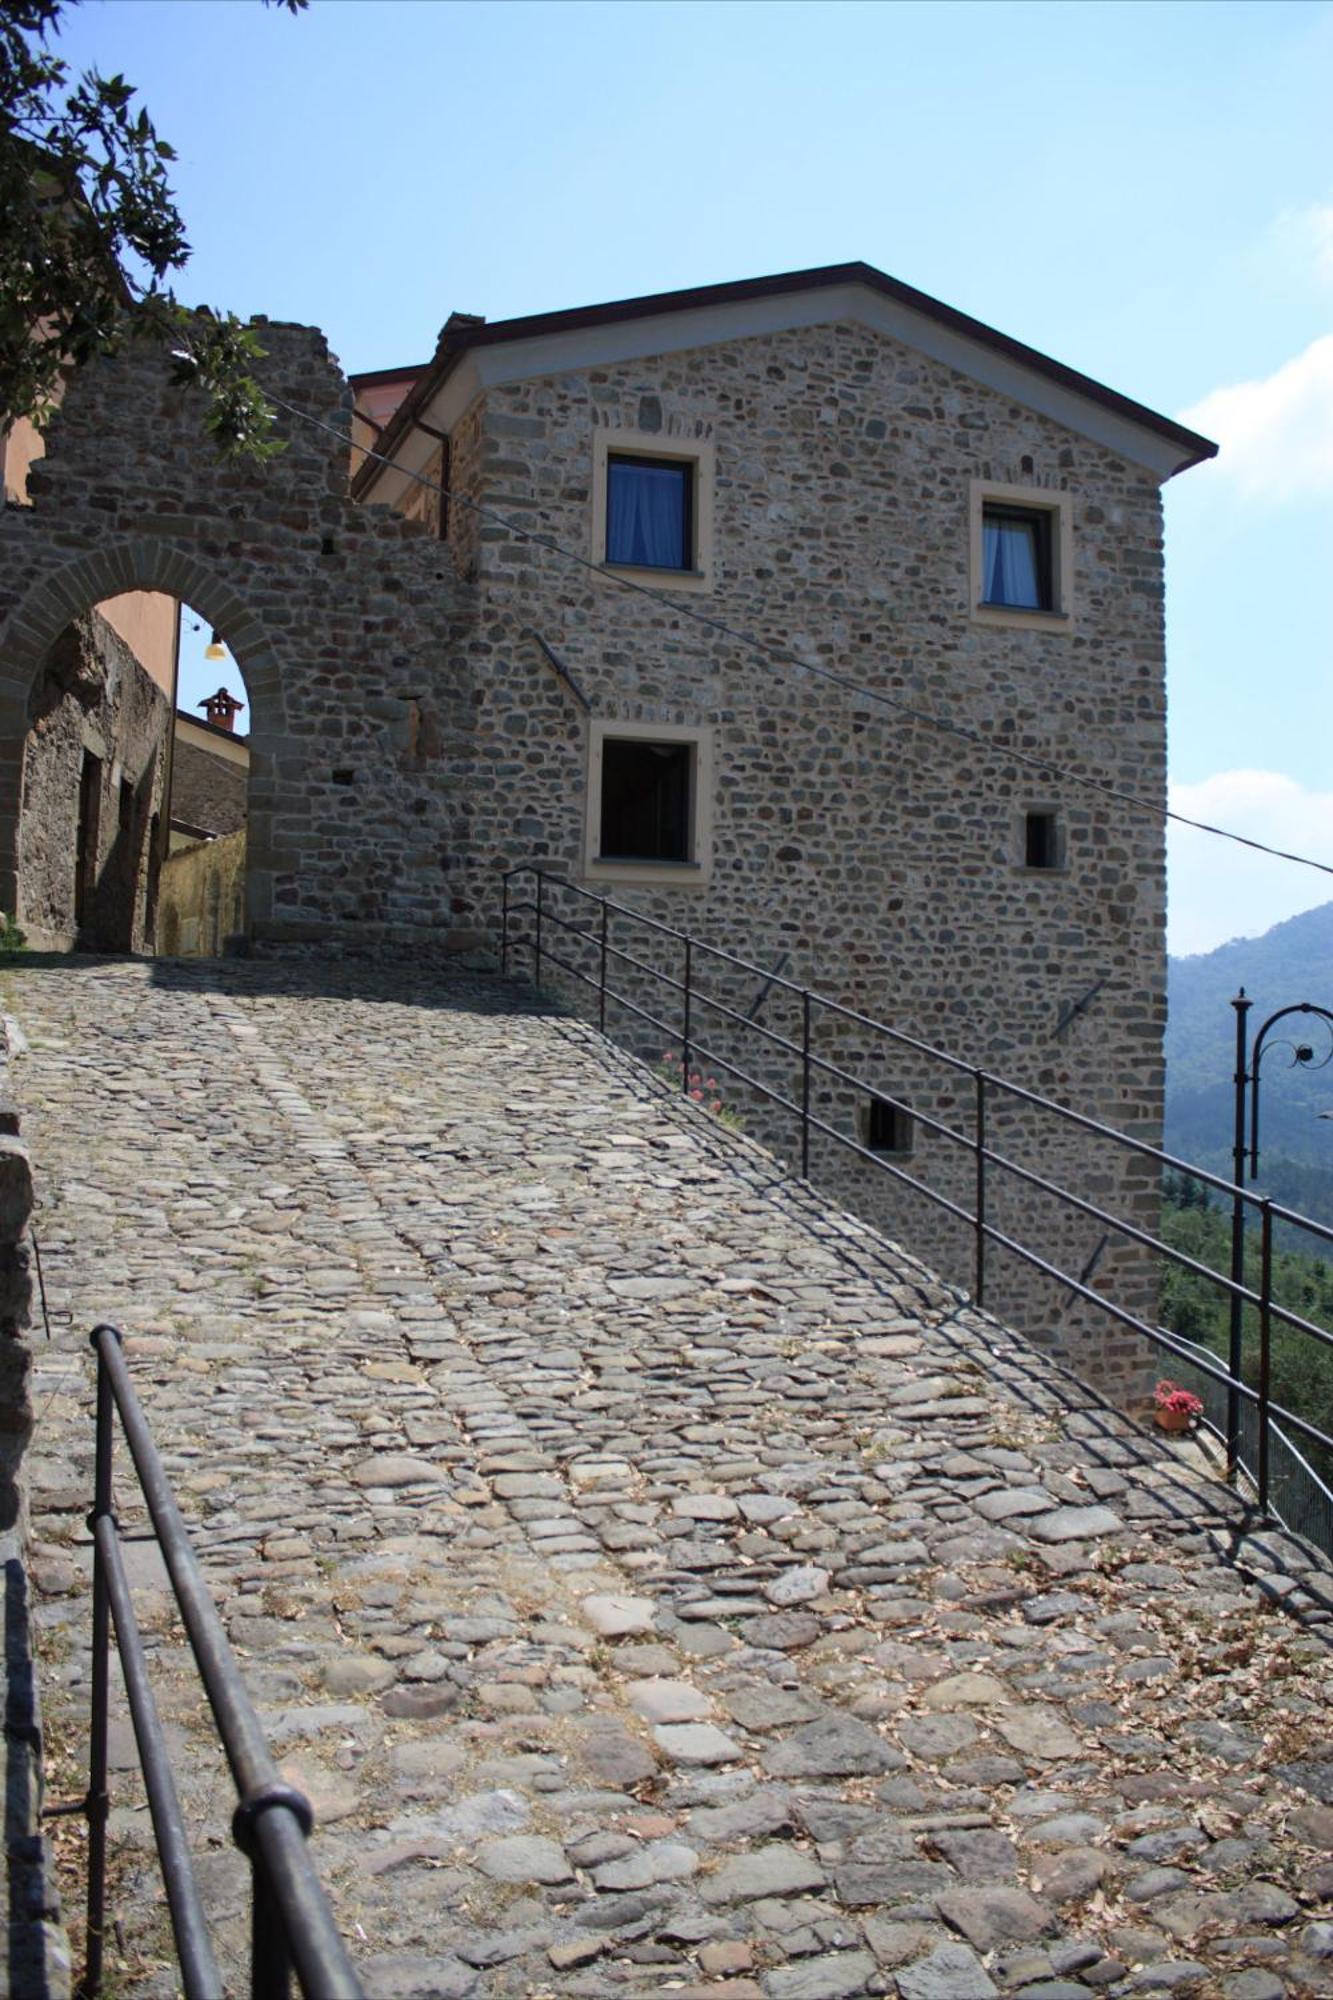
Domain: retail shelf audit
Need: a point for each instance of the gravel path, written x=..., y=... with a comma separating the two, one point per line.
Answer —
x=659, y=1582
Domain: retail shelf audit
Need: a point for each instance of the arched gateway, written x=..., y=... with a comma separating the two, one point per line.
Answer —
x=349, y=625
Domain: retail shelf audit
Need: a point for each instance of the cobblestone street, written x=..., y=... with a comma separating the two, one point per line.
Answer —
x=658, y=1582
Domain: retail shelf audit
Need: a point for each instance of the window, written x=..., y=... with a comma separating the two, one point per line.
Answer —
x=650, y=512
x=1042, y=843
x=652, y=505
x=646, y=790
x=649, y=803
x=886, y=1127
x=1016, y=558
x=1021, y=556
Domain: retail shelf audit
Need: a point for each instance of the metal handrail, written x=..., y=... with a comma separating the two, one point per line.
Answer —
x=292, y=1927
x=987, y=1159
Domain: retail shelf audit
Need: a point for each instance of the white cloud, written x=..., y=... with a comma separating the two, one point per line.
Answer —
x=1217, y=890
x=1276, y=434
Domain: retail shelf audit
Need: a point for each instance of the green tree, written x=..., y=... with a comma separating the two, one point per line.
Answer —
x=1199, y=1309
x=91, y=236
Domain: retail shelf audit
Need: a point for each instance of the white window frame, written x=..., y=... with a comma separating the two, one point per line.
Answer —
x=696, y=452
x=1032, y=500
x=693, y=873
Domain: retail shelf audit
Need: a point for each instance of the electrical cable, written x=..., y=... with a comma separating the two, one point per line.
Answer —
x=765, y=649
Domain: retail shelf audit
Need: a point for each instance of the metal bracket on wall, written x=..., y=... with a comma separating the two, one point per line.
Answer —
x=562, y=671
x=1071, y=1011
x=767, y=987
x=1085, y=1274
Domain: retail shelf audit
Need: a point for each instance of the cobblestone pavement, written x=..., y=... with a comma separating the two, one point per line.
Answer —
x=658, y=1582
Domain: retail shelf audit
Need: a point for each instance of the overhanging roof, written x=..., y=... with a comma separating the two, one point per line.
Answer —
x=583, y=336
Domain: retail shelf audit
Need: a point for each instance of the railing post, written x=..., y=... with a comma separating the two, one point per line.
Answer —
x=1265, y=1344
x=537, y=935
x=270, y=1960
x=504, y=925
x=685, y=1022
x=1235, y=1342
x=979, y=1257
x=97, y=1804
x=601, y=977
x=805, y=1084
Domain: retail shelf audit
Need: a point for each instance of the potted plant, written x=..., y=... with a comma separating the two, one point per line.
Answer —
x=1176, y=1409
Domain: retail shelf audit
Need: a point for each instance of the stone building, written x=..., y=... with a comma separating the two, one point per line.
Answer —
x=94, y=786
x=842, y=474
x=202, y=902
x=96, y=757
x=601, y=648
x=210, y=775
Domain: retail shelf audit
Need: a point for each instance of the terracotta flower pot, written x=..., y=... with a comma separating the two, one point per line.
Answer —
x=1173, y=1420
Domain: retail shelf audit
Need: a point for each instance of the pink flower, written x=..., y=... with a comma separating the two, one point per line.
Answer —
x=1180, y=1402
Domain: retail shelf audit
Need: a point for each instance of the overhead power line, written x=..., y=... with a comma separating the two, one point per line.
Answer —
x=768, y=650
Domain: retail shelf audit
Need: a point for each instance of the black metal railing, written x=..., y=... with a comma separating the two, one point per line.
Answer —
x=292, y=1928
x=1251, y=1414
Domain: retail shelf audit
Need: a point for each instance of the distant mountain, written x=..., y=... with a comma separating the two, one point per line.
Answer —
x=1290, y=963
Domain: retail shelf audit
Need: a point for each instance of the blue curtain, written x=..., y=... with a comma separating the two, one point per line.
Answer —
x=645, y=515
x=1010, y=565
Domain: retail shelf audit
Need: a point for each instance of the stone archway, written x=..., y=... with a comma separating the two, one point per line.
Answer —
x=349, y=625
x=70, y=591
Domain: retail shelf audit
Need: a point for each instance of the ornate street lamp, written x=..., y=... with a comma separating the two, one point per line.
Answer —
x=1246, y=1148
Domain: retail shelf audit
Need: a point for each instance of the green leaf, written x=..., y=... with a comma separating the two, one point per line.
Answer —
x=88, y=208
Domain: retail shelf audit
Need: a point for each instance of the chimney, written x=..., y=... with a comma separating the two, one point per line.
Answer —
x=221, y=709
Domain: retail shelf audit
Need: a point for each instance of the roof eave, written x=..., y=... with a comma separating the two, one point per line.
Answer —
x=1194, y=448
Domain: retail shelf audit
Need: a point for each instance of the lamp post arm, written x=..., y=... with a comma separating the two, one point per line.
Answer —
x=1301, y=1007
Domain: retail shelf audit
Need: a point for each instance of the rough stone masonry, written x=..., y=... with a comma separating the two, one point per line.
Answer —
x=343, y=618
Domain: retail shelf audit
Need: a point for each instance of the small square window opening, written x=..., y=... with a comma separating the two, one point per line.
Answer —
x=888, y=1127
x=647, y=800
x=649, y=803
x=1041, y=840
x=1016, y=564
x=650, y=512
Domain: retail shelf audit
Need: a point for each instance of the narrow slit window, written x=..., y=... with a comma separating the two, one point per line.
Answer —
x=1041, y=840
x=1016, y=566
x=650, y=512
x=647, y=800
x=888, y=1127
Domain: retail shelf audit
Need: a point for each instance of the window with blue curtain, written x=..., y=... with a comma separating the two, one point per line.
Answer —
x=1016, y=558
x=650, y=512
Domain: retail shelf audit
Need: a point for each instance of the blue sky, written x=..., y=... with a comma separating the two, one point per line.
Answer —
x=1143, y=190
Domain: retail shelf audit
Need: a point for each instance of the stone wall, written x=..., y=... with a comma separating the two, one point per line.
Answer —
x=35, y=1961
x=16, y=1288
x=94, y=763
x=874, y=854
x=345, y=621
x=202, y=908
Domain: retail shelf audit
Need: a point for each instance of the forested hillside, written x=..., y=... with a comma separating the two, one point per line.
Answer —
x=1199, y=1225
x=1291, y=963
